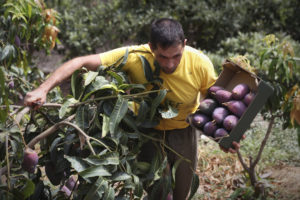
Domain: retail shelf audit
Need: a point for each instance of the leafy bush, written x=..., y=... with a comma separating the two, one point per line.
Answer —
x=90, y=25
x=94, y=135
x=25, y=26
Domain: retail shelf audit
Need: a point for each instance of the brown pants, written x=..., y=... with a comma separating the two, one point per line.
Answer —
x=184, y=142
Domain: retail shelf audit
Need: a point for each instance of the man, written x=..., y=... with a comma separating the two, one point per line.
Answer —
x=186, y=73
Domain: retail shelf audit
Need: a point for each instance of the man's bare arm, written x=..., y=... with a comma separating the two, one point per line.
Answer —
x=38, y=96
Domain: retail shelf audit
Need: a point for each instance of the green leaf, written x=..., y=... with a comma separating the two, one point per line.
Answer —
x=138, y=190
x=76, y=84
x=118, y=113
x=120, y=176
x=77, y=163
x=116, y=76
x=131, y=123
x=82, y=117
x=147, y=69
x=95, y=171
x=161, y=95
x=109, y=194
x=29, y=10
x=174, y=168
x=170, y=113
x=65, y=107
x=28, y=189
x=105, y=125
x=126, y=86
x=194, y=186
x=53, y=149
x=124, y=59
x=7, y=51
x=89, y=77
x=143, y=111
x=97, y=189
x=100, y=83
x=110, y=158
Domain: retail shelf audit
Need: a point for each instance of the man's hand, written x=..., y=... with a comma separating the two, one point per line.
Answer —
x=35, y=98
x=236, y=146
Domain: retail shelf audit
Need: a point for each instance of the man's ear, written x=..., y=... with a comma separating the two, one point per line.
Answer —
x=184, y=43
x=151, y=46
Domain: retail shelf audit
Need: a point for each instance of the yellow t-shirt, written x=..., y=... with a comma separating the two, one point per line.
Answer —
x=195, y=73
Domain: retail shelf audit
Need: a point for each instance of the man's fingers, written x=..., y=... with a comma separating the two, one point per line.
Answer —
x=232, y=150
x=236, y=145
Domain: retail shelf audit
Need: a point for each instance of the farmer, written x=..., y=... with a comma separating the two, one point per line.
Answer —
x=187, y=74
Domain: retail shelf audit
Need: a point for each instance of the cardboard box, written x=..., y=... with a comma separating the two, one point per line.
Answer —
x=232, y=75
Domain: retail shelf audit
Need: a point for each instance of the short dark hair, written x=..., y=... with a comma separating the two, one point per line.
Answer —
x=166, y=32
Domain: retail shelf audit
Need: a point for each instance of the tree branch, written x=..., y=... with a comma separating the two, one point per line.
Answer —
x=242, y=161
x=47, y=132
x=264, y=141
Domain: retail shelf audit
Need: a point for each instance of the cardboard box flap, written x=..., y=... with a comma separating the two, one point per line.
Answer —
x=233, y=74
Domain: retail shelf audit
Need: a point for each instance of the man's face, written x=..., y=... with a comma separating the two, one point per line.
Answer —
x=168, y=58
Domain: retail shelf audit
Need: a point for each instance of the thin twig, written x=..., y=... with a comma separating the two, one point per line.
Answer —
x=82, y=133
x=47, y=132
x=7, y=162
x=242, y=161
x=162, y=142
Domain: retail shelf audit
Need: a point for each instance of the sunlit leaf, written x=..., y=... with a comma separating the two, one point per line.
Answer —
x=94, y=171
x=65, y=107
x=120, y=176
x=105, y=125
x=89, y=77
x=110, y=158
x=77, y=163
x=116, y=76
x=170, y=113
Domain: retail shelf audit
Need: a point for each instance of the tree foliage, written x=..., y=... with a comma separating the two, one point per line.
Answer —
x=90, y=25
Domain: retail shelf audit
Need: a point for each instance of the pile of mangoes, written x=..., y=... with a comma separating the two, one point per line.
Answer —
x=220, y=112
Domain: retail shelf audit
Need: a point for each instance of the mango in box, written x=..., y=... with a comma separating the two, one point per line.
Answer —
x=238, y=94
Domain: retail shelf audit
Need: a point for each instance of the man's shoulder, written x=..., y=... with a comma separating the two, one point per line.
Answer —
x=195, y=53
x=139, y=48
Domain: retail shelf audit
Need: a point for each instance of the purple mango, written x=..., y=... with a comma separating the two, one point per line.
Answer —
x=236, y=107
x=209, y=128
x=199, y=119
x=249, y=98
x=239, y=91
x=11, y=84
x=30, y=160
x=207, y=106
x=220, y=132
x=219, y=114
x=213, y=89
x=17, y=41
x=230, y=122
x=223, y=96
x=71, y=183
x=65, y=190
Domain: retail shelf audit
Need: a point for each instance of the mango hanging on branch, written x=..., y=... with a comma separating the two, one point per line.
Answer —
x=30, y=160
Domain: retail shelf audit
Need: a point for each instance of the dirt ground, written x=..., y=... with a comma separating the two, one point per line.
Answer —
x=286, y=180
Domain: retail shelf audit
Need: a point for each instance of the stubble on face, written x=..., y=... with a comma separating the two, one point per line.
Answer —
x=168, y=58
